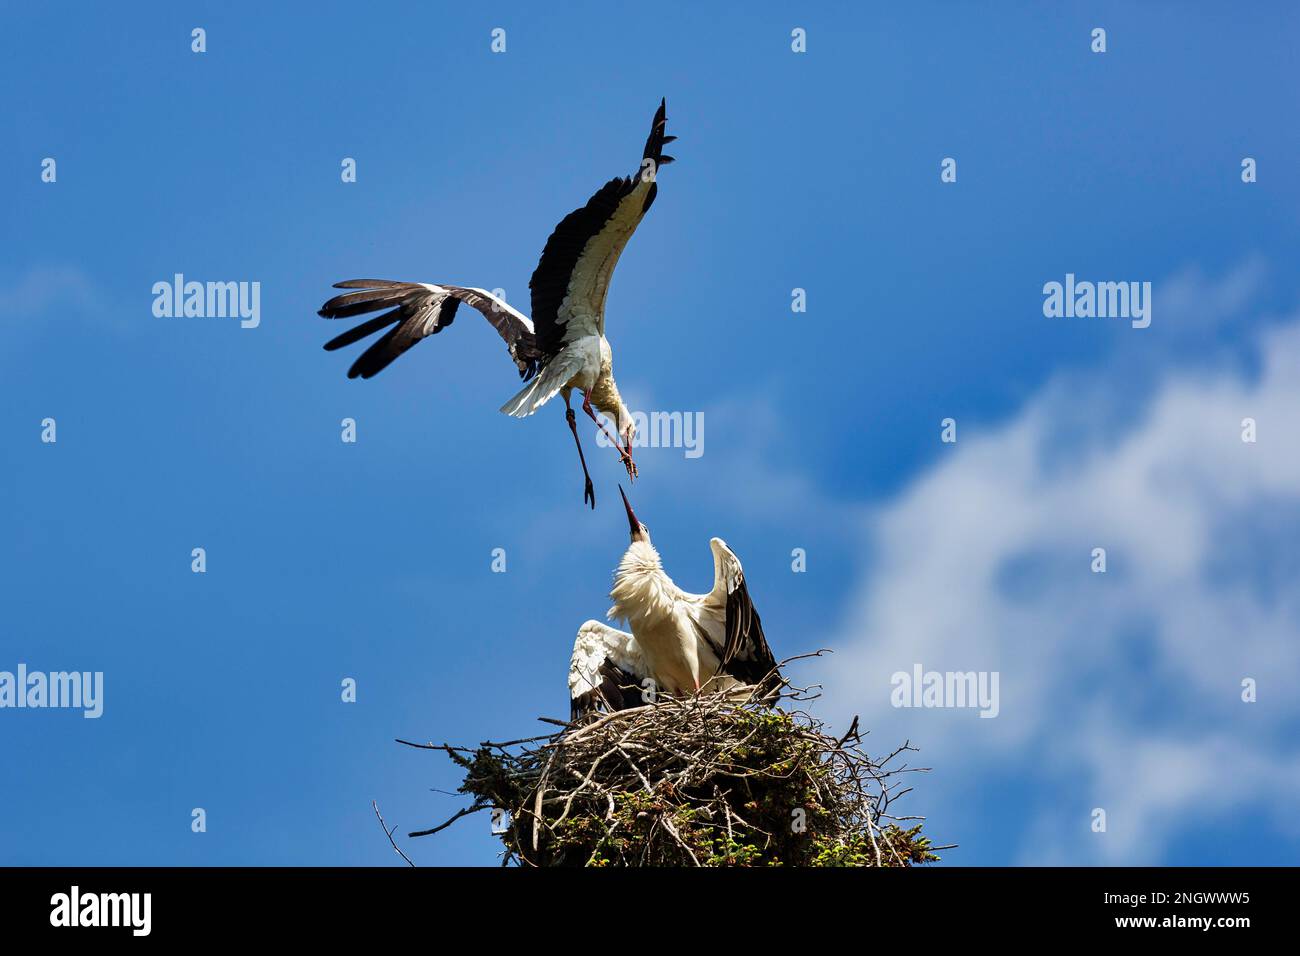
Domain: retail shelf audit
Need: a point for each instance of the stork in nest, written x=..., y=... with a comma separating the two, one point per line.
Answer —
x=679, y=644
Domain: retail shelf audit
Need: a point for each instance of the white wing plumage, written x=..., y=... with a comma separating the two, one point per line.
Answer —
x=582, y=312
x=606, y=670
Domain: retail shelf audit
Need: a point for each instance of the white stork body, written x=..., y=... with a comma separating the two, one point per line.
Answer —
x=681, y=634
x=680, y=643
x=563, y=346
x=586, y=364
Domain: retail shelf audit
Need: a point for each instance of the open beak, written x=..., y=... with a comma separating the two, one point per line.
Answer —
x=631, y=515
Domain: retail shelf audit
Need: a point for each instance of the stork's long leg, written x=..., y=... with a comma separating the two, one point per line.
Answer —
x=589, y=492
x=624, y=455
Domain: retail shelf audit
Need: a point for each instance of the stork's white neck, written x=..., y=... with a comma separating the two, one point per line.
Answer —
x=643, y=593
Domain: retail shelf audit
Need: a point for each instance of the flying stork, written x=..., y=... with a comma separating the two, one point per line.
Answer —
x=679, y=643
x=563, y=347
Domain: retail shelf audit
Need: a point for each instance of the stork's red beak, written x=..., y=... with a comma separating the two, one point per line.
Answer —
x=631, y=515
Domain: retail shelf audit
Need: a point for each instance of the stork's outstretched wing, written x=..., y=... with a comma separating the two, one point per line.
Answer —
x=421, y=309
x=606, y=671
x=572, y=278
x=745, y=654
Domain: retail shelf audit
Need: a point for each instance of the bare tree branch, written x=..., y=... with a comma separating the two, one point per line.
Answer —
x=389, y=834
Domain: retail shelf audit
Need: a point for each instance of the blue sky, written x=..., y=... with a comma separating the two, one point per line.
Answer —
x=818, y=171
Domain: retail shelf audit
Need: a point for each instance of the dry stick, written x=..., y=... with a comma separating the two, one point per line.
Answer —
x=390, y=834
x=442, y=826
x=726, y=806
x=852, y=734
x=871, y=832
x=632, y=763
x=581, y=787
x=608, y=833
x=668, y=825
x=588, y=729
x=433, y=746
x=541, y=792
x=512, y=743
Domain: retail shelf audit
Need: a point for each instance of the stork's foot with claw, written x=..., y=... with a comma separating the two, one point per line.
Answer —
x=624, y=454
x=589, y=491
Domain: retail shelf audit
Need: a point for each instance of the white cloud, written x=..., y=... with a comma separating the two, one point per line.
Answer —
x=1118, y=690
x=48, y=299
x=45, y=288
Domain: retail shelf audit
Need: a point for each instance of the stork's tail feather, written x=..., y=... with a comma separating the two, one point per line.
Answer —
x=554, y=376
x=530, y=398
x=524, y=402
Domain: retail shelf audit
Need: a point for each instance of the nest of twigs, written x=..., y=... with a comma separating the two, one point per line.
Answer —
x=698, y=781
